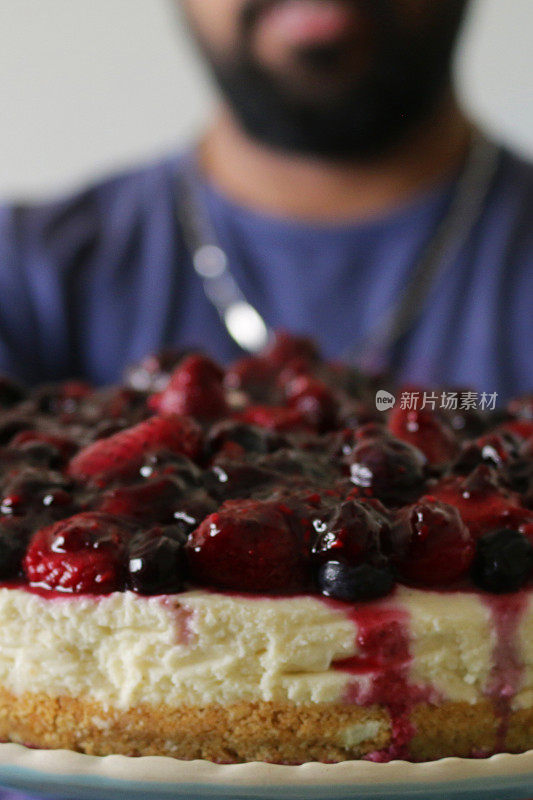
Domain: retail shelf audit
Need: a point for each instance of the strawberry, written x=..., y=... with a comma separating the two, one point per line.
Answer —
x=121, y=455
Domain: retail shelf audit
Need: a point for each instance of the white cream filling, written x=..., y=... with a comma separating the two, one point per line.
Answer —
x=198, y=648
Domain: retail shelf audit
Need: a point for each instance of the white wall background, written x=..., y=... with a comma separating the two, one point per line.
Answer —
x=88, y=86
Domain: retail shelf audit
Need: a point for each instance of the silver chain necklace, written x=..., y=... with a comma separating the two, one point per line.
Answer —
x=251, y=332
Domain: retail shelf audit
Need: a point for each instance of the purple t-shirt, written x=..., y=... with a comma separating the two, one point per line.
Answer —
x=93, y=282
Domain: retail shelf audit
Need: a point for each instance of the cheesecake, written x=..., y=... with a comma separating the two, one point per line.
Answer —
x=256, y=564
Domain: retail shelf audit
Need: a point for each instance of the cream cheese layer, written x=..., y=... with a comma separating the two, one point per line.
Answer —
x=197, y=648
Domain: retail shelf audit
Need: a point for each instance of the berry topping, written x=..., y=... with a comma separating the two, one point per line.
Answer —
x=11, y=392
x=13, y=540
x=341, y=581
x=391, y=470
x=234, y=479
x=431, y=546
x=503, y=561
x=354, y=534
x=153, y=372
x=195, y=389
x=248, y=546
x=484, y=504
x=62, y=399
x=252, y=377
x=277, y=475
x=154, y=501
x=29, y=441
x=286, y=347
x=314, y=400
x=156, y=561
x=122, y=454
x=84, y=553
x=275, y=418
x=423, y=429
x=238, y=439
x=32, y=490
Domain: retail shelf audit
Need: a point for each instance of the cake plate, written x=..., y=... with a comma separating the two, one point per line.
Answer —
x=64, y=774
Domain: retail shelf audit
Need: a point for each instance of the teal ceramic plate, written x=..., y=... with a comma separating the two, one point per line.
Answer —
x=63, y=774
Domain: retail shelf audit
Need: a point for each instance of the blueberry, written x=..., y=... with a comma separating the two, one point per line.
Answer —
x=388, y=469
x=164, y=462
x=41, y=454
x=341, y=581
x=156, y=562
x=250, y=438
x=236, y=479
x=13, y=540
x=503, y=561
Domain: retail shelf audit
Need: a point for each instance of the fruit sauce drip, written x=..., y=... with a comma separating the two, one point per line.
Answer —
x=504, y=682
x=381, y=673
x=276, y=475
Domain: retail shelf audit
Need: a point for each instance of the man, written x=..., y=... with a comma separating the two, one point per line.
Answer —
x=339, y=192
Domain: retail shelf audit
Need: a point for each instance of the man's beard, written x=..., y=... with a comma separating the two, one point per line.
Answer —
x=357, y=116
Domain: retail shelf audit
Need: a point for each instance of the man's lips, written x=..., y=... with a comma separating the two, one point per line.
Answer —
x=308, y=22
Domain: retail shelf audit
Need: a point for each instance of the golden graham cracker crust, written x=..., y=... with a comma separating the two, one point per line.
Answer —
x=258, y=731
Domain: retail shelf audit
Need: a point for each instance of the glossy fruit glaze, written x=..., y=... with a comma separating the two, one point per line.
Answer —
x=274, y=476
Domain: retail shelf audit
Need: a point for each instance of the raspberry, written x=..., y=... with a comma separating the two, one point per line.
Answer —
x=248, y=546
x=81, y=554
x=431, y=544
x=121, y=455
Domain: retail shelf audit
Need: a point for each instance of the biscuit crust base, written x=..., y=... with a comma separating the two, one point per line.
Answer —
x=260, y=731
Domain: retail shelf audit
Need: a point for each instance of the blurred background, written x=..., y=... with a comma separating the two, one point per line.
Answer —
x=91, y=86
